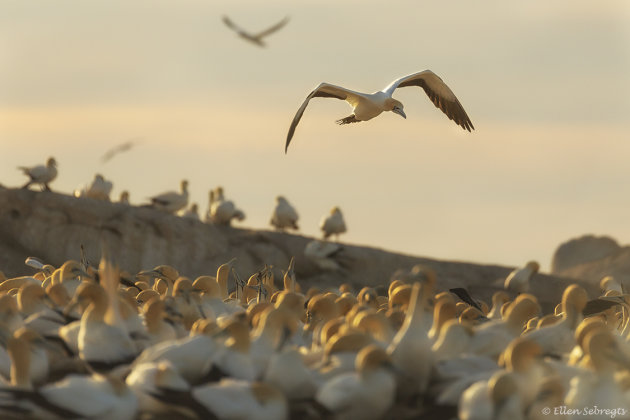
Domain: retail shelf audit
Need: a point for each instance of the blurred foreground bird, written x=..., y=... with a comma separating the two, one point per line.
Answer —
x=366, y=106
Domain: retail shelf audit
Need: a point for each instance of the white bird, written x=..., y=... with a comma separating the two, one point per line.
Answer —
x=333, y=224
x=99, y=189
x=222, y=211
x=596, y=385
x=172, y=201
x=410, y=349
x=366, y=106
x=365, y=394
x=322, y=253
x=74, y=397
x=41, y=174
x=255, y=38
x=559, y=338
x=518, y=280
x=192, y=212
x=496, y=399
x=284, y=215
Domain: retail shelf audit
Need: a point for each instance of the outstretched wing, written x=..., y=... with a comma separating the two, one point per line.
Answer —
x=324, y=90
x=232, y=25
x=439, y=93
x=273, y=29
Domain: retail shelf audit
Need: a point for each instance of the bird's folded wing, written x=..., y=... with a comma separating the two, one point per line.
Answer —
x=439, y=93
x=324, y=90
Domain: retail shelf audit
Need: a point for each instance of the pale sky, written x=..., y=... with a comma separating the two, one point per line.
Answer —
x=546, y=85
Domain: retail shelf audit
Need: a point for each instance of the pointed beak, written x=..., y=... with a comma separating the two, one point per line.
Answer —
x=399, y=112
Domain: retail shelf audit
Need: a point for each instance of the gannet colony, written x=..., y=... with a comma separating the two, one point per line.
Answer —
x=87, y=338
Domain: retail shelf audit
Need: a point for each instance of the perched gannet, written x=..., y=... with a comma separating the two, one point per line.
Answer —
x=559, y=338
x=366, y=106
x=255, y=38
x=492, y=337
x=192, y=212
x=608, y=283
x=518, y=280
x=222, y=211
x=156, y=328
x=27, y=347
x=274, y=328
x=284, y=215
x=39, y=316
x=287, y=372
x=333, y=224
x=191, y=356
x=324, y=254
x=10, y=317
x=411, y=347
x=70, y=275
x=499, y=298
x=365, y=394
x=172, y=201
x=101, y=344
x=494, y=399
x=99, y=189
x=124, y=197
x=41, y=174
x=74, y=397
x=596, y=385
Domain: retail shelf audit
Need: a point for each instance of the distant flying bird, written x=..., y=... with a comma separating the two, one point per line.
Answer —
x=123, y=147
x=255, y=38
x=366, y=106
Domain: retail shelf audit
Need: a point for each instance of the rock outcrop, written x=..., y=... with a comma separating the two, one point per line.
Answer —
x=585, y=249
x=591, y=258
x=53, y=226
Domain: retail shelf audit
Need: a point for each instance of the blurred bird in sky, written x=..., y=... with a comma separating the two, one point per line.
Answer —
x=121, y=148
x=255, y=38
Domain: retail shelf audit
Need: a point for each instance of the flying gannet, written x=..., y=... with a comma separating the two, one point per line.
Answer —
x=366, y=106
x=255, y=38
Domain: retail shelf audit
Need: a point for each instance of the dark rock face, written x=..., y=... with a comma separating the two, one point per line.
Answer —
x=52, y=227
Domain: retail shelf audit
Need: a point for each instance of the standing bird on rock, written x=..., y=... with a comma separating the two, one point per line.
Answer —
x=333, y=224
x=255, y=38
x=284, y=215
x=366, y=106
x=222, y=211
x=518, y=280
x=41, y=174
x=172, y=202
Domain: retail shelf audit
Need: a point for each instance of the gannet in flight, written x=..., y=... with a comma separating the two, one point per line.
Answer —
x=366, y=106
x=123, y=147
x=255, y=38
